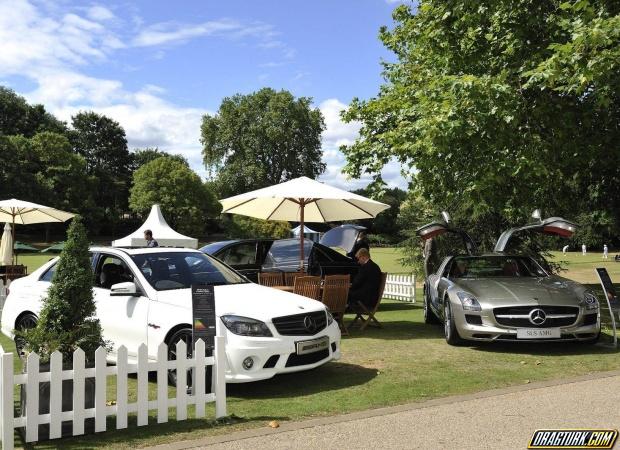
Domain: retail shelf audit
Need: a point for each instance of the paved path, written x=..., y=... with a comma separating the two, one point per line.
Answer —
x=500, y=419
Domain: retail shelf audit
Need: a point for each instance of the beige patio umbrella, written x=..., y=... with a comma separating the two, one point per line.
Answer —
x=26, y=213
x=303, y=200
x=6, y=246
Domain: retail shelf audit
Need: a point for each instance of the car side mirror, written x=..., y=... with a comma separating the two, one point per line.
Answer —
x=127, y=289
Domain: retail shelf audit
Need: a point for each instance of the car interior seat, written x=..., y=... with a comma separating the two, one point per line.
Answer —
x=110, y=275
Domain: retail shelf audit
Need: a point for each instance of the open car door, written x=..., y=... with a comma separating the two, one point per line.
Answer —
x=554, y=226
x=434, y=253
x=343, y=237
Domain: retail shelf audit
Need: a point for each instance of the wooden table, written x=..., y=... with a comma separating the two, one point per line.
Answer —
x=284, y=288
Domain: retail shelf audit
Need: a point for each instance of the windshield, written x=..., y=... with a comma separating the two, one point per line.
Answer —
x=179, y=270
x=494, y=266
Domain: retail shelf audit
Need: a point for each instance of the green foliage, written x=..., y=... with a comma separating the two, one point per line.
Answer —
x=67, y=320
x=102, y=143
x=386, y=223
x=44, y=167
x=242, y=227
x=143, y=156
x=186, y=202
x=262, y=139
x=499, y=108
x=17, y=117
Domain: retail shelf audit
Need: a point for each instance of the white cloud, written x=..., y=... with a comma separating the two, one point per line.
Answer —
x=61, y=45
x=100, y=13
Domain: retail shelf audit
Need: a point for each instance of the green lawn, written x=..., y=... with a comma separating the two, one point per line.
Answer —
x=406, y=361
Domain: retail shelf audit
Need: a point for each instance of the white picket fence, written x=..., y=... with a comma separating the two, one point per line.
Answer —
x=400, y=287
x=121, y=408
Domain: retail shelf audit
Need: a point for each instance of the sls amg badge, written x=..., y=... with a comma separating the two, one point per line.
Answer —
x=573, y=438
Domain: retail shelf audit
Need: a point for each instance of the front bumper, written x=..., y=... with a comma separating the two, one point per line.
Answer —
x=489, y=330
x=276, y=355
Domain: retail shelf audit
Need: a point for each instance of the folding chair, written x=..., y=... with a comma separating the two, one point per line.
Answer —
x=14, y=272
x=335, y=295
x=360, y=310
x=308, y=287
x=289, y=277
x=270, y=278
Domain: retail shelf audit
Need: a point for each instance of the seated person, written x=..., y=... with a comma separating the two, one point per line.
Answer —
x=366, y=284
x=458, y=269
x=511, y=269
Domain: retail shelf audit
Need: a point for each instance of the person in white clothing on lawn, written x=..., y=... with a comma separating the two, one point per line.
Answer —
x=583, y=249
x=605, y=251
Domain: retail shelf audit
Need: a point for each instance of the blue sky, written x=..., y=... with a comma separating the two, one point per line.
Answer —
x=158, y=66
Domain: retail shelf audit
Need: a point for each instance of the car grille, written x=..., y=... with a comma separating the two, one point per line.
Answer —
x=303, y=360
x=519, y=316
x=296, y=325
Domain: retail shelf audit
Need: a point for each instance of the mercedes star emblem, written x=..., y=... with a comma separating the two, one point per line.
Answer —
x=537, y=316
x=310, y=324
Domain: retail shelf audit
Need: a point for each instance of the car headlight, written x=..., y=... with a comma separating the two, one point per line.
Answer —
x=244, y=326
x=468, y=301
x=590, y=301
x=330, y=318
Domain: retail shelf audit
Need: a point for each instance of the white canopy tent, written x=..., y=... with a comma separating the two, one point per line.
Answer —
x=308, y=232
x=162, y=233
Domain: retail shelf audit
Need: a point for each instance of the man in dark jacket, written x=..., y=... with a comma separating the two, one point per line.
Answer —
x=366, y=284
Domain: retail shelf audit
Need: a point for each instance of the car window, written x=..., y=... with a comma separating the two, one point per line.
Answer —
x=179, y=270
x=48, y=275
x=112, y=270
x=286, y=253
x=494, y=266
x=239, y=254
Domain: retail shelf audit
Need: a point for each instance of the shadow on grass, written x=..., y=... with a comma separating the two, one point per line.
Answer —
x=330, y=377
x=398, y=306
x=135, y=436
x=546, y=349
x=396, y=330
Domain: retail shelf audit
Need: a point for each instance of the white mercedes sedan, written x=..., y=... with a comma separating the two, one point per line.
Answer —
x=144, y=296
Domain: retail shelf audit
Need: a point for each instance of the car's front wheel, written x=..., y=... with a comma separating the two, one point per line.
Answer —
x=25, y=322
x=450, y=331
x=185, y=335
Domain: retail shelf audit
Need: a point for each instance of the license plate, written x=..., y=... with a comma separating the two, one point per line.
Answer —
x=314, y=345
x=538, y=333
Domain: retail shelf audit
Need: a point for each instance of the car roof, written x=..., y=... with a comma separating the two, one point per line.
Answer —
x=143, y=250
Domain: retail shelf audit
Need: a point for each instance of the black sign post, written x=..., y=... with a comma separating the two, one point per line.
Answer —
x=203, y=312
x=611, y=297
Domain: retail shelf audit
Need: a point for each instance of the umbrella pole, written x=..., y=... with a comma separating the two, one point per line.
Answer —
x=13, y=255
x=302, y=205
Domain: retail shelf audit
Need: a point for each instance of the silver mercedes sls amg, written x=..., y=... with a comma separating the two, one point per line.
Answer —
x=505, y=297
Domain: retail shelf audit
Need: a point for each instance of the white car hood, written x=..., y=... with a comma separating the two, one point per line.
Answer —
x=248, y=300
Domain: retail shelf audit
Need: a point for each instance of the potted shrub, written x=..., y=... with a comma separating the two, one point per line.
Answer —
x=67, y=322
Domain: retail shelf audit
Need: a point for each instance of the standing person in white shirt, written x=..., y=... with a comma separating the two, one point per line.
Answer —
x=605, y=252
x=583, y=249
x=565, y=249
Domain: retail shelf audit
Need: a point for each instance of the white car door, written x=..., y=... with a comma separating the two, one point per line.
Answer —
x=123, y=318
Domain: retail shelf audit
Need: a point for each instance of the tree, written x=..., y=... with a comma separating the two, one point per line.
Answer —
x=497, y=109
x=67, y=320
x=142, y=156
x=386, y=225
x=62, y=174
x=18, y=117
x=243, y=227
x=102, y=143
x=262, y=139
x=185, y=200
